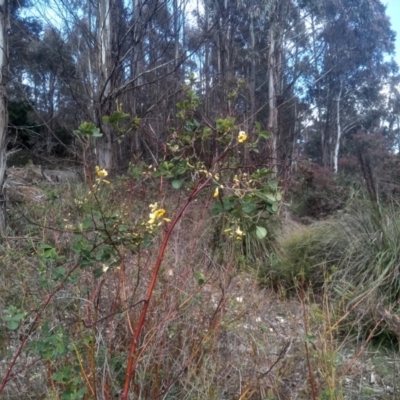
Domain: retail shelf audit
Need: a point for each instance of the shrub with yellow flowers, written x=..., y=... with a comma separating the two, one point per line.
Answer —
x=200, y=158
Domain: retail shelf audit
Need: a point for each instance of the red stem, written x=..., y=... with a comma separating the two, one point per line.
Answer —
x=25, y=338
x=131, y=364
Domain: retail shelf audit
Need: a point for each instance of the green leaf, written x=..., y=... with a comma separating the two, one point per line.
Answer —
x=59, y=273
x=200, y=278
x=77, y=247
x=229, y=203
x=267, y=197
x=12, y=325
x=123, y=228
x=249, y=208
x=87, y=223
x=96, y=132
x=80, y=393
x=18, y=317
x=261, y=232
x=177, y=183
x=272, y=184
x=97, y=214
x=48, y=251
x=217, y=209
x=45, y=246
x=98, y=272
x=309, y=338
x=264, y=134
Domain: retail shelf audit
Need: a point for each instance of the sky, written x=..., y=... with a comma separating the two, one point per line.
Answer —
x=393, y=11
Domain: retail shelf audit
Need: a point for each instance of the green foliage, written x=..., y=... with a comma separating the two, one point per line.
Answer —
x=116, y=117
x=305, y=253
x=87, y=129
x=12, y=316
x=97, y=236
x=225, y=125
x=19, y=120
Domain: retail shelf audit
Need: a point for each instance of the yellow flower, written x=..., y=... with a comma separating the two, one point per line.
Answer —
x=101, y=173
x=153, y=207
x=156, y=214
x=239, y=233
x=152, y=219
x=159, y=213
x=216, y=192
x=242, y=137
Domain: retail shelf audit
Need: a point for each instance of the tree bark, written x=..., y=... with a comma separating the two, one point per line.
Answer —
x=3, y=111
x=104, y=144
x=252, y=80
x=339, y=130
x=272, y=111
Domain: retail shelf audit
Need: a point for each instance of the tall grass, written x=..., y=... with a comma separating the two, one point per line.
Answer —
x=371, y=260
x=356, y=255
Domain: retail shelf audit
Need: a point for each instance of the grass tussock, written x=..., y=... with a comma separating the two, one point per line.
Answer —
x=306, y=252
x=356, y=257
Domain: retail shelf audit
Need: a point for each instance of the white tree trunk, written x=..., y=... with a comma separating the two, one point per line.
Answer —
x=3, y=111
x=339, y=131
x=104, y=144
x=135, y=69
x=252, y=80
x=272, y=111
x=90, y=65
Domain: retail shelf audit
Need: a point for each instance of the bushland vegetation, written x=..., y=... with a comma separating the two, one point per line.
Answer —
x=199, y=205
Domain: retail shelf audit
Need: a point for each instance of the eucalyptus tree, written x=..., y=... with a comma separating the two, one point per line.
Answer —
x=126, y=56
x=3, y=109
x=350, y=40
x=253, y=57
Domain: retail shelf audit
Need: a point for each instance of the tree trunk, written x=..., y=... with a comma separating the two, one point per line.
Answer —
x=90, y=65
x=104, y=144
x=135, y=69
x=339, y=130
x=252, y=80
x=207, y=59
x=3, y=111
x=272, y=111
x=176, y=33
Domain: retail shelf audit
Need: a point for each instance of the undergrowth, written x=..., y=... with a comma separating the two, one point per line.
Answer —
x=147, y=285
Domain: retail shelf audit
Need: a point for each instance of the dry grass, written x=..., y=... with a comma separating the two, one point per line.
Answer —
x=211, y=331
